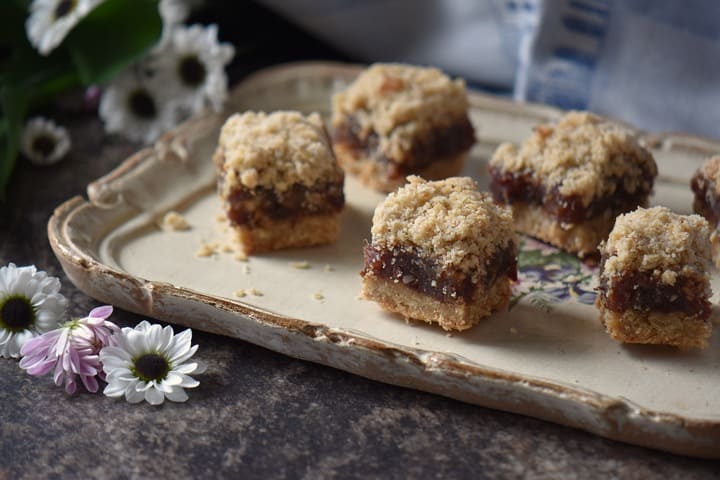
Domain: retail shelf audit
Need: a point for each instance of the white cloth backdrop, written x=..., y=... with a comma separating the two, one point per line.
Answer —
x=653, y=63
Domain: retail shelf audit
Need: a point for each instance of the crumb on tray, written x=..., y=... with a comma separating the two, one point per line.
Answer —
x=173, y=221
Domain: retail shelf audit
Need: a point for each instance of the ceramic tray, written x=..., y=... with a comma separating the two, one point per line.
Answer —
x=547, y=357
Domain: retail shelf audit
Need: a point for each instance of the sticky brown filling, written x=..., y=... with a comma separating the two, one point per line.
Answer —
x=442, y=143
x=637, y=290
x=706, y=202
x=428, y=277
x=515, y=187
x=252, y=207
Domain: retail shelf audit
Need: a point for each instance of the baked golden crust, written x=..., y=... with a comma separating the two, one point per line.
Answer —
x=378, y=176
x=305, y=231
x=648, y=327
x=581, y=239
x=397, y=298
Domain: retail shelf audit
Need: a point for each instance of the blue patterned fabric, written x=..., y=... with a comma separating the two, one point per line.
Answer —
x=653, y=63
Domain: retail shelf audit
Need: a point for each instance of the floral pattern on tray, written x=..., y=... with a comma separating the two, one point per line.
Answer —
x=547, y=276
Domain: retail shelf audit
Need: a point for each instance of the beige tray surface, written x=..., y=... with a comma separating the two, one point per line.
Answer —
x=550, y=360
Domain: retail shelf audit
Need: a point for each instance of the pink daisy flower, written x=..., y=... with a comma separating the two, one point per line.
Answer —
x=71, y=351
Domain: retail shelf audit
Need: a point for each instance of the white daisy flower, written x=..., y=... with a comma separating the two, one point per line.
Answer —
x=51, y=20
x=43, y=142
x=30, y=304
x=196, y=62
x=137, y=106
x=150, y=363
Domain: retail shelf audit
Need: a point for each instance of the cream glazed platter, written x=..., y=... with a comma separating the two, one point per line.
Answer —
x=548, y=356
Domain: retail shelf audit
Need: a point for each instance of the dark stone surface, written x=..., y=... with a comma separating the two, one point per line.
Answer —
x=257, y=413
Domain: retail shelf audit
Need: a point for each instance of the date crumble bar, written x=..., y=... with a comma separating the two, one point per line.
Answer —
x=706, y=186
x=654, y=281
x=567, y=183
x=441, y=252
x=279, y=181
x=396, y=120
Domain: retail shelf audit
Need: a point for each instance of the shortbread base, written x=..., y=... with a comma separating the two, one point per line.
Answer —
x=374, y=175
x=581, y=239
x=303, y=231
x=676, y=329
x=397, y=298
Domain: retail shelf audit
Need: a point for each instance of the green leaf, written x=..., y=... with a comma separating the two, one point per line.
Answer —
x=112, y=36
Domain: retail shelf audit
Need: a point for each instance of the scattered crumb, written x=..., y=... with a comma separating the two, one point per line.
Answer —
x=221, y=218
x=207, y=249
x=359, y=298
x=318, y=296
x=329, y=268
x=175, y=222
x=304, y=265
x=246, y=269
x=240, y=292
x=240, y=256
x=227, y=248
x=448, y=334
x=255, y=292
x=513, y=330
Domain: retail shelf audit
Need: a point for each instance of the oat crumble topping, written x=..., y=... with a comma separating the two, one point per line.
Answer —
x=401, y=102
x=710, y=170
x=659, y=241
x=275, y=150
x=580, y=154
x=449, y=220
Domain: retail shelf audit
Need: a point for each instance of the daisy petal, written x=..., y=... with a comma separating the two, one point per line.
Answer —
x=177, y=395
x=116, y=389
x=188, y=382
x=101, y=312
x=154, y=396
x=182, y=357
x=132, y=395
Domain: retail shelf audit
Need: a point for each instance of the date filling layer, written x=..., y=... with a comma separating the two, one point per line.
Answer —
x=254, y=206
x=428, y=277
x=518, y=187
x=706, y=202
x=637, y=290
x=442, y=143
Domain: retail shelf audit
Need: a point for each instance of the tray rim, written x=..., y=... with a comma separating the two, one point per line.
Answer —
x=604, y=415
